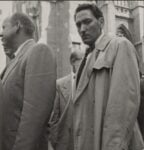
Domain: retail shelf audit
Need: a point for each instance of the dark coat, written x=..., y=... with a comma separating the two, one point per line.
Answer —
x=141, y=110
x=29, y=83
x=1, y=113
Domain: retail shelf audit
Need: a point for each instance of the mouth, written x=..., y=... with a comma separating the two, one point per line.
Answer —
x=85, y=37
x=3, y=41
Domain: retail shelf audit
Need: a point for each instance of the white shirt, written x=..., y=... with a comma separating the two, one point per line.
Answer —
x=96, y=42
x=99, y=38
x=73, y=77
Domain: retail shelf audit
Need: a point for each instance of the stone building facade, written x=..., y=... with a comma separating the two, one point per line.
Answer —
x=130, y=14
x=56, y=27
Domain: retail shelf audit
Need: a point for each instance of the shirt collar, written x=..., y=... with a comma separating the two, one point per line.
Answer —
x=21, y=46
x=99, y=38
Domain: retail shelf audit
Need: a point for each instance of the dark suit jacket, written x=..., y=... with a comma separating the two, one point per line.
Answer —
x=29, y=83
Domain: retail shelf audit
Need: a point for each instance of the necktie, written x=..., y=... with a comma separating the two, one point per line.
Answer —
x=89, y=50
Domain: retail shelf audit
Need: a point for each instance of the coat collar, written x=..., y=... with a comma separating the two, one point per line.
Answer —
x=100, y=47
x=102, y=44
x=13, y=62
x=65, y=86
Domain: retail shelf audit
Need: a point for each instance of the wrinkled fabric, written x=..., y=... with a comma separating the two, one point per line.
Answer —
x=106, y=101
x=104, y=110
x=60, y=124
x=29, y=85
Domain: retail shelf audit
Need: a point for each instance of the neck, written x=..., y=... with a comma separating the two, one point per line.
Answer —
x=21, y=40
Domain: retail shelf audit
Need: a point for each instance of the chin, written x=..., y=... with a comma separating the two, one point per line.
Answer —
x=87, y=43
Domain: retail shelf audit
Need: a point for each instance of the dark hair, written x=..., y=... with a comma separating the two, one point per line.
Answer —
x=126, y=33
x=25, y=21
x=92, y=7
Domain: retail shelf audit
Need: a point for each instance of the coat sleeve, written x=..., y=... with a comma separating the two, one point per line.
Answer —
x=123, y=99
x=39, y=94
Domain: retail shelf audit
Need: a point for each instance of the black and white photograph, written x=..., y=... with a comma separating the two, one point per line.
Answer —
x=72, y=75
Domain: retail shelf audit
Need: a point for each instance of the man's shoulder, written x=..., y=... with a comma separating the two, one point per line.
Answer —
x=115, y=39
x=116, y=47
x=40, y=49
x=119, y=43
x=41, y=46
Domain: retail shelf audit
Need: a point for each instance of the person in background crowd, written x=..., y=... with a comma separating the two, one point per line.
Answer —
x=107, y=96
x=29, y=85
x=122, y=31
x=62, y=101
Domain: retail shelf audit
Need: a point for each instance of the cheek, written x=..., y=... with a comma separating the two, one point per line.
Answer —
x=10, y=35
x=95, y=31
x=95, y=28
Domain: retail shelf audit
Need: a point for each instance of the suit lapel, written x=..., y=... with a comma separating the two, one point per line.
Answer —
x=67, y=88
x=13, y=62
x=84, y=80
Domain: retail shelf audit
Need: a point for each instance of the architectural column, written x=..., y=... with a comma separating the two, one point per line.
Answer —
x=58, y=35
x=108, y=10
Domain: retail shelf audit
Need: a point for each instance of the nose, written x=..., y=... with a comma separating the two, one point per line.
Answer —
x=83, y=28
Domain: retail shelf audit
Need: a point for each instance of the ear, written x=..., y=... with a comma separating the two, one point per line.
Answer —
x=101, y=22
x=18, y=26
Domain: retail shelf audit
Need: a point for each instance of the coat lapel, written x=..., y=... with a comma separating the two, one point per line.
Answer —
x=100, y=47
x=13, y=62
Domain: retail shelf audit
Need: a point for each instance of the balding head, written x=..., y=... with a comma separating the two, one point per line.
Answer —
x=24, y=22
x=16, y=30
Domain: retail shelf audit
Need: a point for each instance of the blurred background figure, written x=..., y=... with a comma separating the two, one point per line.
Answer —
x=122, y=31
x=59, y=130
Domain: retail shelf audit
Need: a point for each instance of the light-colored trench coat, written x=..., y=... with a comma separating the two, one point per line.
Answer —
x=106, y=101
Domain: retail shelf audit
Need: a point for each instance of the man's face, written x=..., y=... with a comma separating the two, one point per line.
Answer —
x=8, y=34
x=88, y=26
